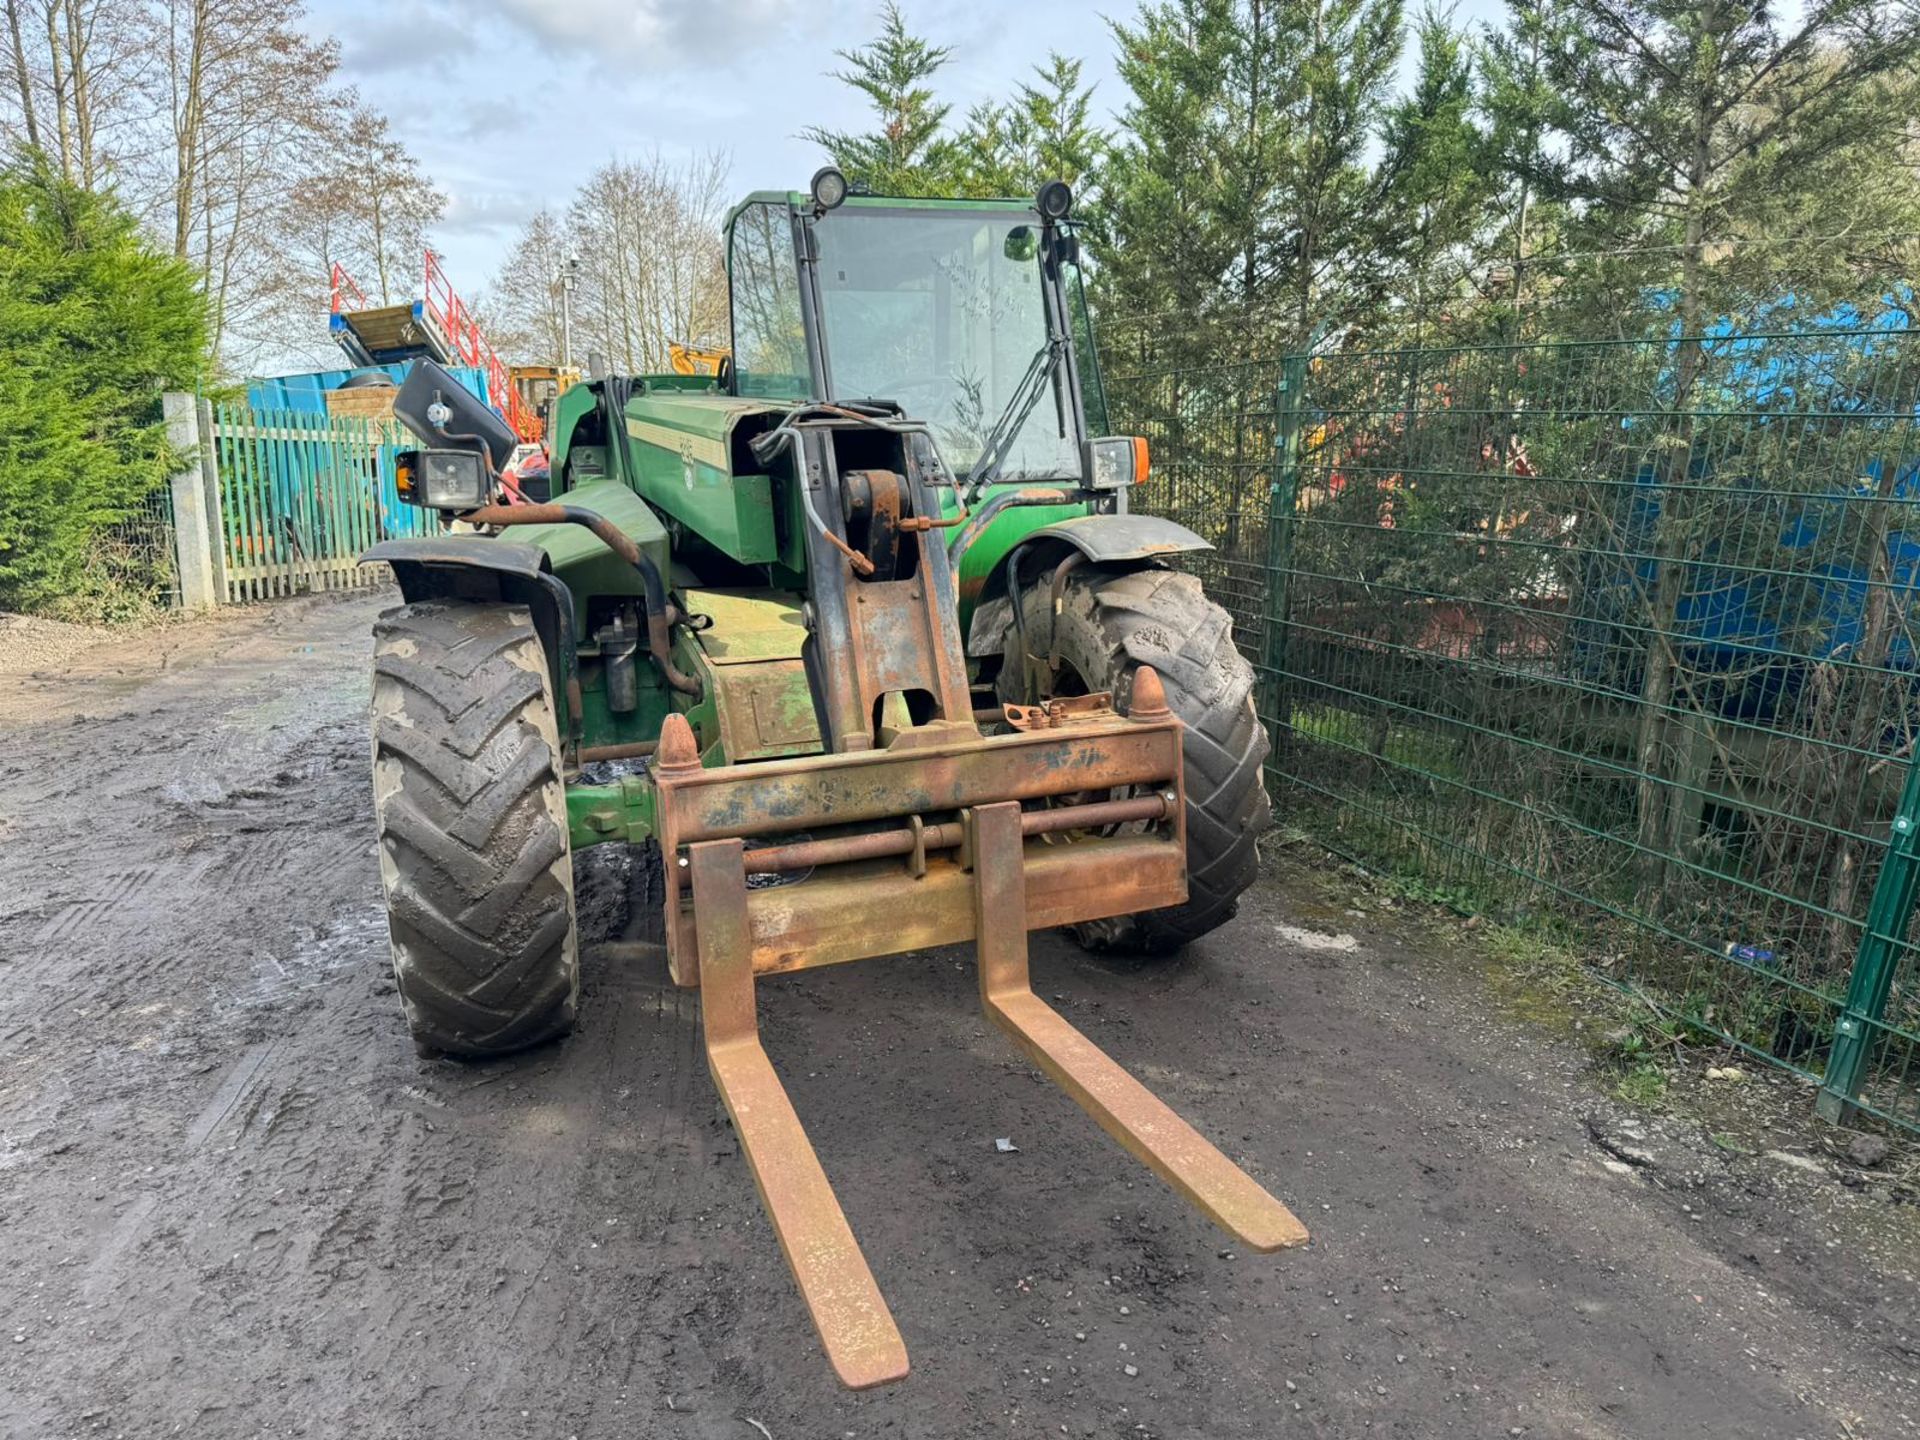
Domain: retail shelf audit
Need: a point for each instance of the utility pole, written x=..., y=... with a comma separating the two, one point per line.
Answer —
x=569, y=270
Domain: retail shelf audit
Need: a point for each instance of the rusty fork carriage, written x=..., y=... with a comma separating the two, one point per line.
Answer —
x=1075, y=815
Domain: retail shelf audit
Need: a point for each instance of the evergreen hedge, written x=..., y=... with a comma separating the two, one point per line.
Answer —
x=94, y=325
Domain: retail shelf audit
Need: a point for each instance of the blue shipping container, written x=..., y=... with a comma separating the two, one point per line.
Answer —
x=306, y=393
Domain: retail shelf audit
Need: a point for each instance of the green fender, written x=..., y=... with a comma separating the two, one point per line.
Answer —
x=1120, y=542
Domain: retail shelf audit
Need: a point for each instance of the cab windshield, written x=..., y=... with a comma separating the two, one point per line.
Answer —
x=942, y=312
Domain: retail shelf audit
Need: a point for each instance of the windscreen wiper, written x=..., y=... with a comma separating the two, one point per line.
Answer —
x=999, y=443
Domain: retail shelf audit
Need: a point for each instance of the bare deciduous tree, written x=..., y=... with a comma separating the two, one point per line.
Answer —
x=523, y=303
x=80, y=71
x=223, y=124
x=389, y=202
x=652, y=270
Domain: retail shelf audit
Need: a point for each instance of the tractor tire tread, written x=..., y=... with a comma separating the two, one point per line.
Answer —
x=1163, y=618
x=471, y=814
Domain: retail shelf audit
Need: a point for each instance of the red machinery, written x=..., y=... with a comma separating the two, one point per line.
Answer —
x=439, y=325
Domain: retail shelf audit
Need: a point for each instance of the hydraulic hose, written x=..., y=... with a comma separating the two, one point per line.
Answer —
x=659, y=638
x=1020, y=619
x=1056, y=595
x=785, y=435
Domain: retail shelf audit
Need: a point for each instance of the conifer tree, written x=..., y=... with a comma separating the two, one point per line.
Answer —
x=1724, y=145
x=1045, y=132
x=1243, y=179
x=94, y=323
x=907, y=154
x=1433, y=178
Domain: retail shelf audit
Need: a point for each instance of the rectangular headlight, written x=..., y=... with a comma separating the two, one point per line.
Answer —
x=1116, y=461
x=452, y=480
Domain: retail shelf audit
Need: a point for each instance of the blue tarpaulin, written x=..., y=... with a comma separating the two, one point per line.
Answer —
x=1758, y=620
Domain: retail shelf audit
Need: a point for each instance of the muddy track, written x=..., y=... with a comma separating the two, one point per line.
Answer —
x=233, y=1202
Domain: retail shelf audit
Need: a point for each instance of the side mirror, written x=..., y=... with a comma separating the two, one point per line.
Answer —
x=445, y=414
x=1020, y=246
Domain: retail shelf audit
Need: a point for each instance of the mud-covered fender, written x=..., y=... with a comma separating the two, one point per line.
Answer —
x=1117, y=542
x=429, y=567
x=480, y=567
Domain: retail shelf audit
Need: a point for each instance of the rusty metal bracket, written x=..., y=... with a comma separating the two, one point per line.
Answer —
x=856, y=1328
x=917, y=857
x=1122, y=1106
x=1064, y=711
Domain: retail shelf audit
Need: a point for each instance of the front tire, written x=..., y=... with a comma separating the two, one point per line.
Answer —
x=1109, y=625
x=472, y=820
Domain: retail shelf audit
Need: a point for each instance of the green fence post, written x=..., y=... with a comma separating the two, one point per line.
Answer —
x=1283, y=495
x=1877, y=958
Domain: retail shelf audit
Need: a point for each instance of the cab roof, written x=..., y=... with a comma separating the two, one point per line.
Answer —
x=794, y=198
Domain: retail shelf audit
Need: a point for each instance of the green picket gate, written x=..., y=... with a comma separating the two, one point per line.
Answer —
x=302, y=495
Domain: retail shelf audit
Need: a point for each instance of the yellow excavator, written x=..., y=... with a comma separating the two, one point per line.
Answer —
x=538, y=386
x=691, y=360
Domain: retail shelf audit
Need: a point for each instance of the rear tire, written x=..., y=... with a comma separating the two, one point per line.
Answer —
x=1109, y=625
x=471, y=813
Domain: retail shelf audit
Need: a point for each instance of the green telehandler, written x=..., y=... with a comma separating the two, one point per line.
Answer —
x=873, y=608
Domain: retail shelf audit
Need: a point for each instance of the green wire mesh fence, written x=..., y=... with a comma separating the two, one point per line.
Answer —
x=135, y=558
x=1618, y=635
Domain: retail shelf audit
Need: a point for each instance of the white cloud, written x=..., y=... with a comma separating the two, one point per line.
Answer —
x=483, y=212
x=657, y=35
x=422, y=37
x=510, y=104
x=487, y=117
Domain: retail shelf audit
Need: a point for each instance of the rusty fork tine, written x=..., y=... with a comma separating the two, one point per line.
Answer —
x=1124, y=1108
x=856, y=1328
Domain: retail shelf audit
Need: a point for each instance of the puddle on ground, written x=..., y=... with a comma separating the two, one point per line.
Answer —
x=311, y=963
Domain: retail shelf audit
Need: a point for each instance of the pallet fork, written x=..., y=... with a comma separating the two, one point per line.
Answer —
x=1025, y=848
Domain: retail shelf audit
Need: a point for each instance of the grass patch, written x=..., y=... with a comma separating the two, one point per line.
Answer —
x=1542, y=981
x=1643, y=1085
x=1405, y=746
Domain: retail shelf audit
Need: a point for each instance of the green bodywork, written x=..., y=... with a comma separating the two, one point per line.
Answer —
x=682, y=451
x=578, y=556
x=622, y=811
x=678, y=475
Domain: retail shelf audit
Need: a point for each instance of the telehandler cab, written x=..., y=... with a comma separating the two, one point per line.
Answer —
x=874, y=603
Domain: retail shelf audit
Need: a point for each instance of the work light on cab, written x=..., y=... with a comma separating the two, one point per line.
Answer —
x=1116, y=461
x=828, y=188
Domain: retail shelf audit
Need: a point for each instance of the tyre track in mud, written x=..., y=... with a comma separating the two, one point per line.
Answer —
x=286, y=1214
x=233, y=1201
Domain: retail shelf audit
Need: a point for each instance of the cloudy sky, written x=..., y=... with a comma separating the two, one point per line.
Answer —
x=510, y=103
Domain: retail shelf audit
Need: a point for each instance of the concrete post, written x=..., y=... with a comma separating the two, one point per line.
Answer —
x=216, y=520
x=191, y=535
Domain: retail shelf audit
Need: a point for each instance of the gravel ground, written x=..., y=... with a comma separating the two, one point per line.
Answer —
x=29, y=643
x=234, y=1203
